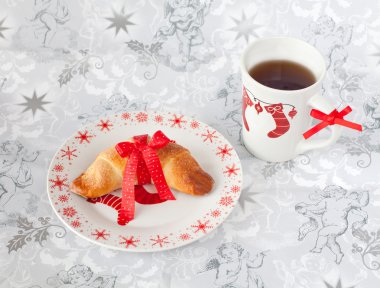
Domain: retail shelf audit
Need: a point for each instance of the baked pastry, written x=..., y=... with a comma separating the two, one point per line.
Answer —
x=182, y=172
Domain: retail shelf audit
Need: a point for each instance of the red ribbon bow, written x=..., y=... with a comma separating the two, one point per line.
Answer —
x=144, y=163
x=333, y=118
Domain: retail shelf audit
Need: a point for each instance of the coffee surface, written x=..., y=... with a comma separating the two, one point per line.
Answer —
x=282, y=75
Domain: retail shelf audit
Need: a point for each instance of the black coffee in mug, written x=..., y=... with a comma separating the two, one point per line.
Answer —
x=282, y=75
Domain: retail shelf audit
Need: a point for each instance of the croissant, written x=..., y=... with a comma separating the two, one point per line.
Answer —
x=181, y=171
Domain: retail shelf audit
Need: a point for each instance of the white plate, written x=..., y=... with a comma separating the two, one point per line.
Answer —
x=156, y=227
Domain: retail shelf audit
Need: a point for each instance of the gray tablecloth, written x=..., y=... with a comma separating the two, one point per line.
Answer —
x=311, y=222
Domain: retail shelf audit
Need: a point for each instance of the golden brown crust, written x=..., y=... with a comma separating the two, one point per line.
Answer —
x=181, y=170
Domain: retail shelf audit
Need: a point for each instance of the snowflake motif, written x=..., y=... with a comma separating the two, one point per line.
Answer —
x=125, y=116
x=194, y=124
x=201, y=226
x=158, y=118
x=63, y=198
x=231, y=170
x=58, y=182
x=129, y=241
x=83, y=137
x=177, y=121
x=160, y=241
x=68, y=153
x=215, y=213
x=75, y=224
x=235, y=189
x=142, y=117
x=104, y=125
x=100, y=234
x=184, y=236
x=69, y=211
x=209, y=136
x=226, y=201
x=58, y=168
x=224, y=151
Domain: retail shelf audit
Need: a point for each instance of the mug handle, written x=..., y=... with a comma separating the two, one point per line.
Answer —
x=324, y=105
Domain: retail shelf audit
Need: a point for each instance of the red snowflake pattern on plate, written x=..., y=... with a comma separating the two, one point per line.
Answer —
x=63, y=198
x=142, y=117
x=224, y=151
x=76, y=224
x=100, y=234
x=104, y=125
x=209, y=136
x=201, y=226
x=177, y=121
x=83, y=137
x=194, y=124
x=71, y=153
x=226, y=201
x=68, y=153
x=215, y=213
x=160, y=241
x=129, y=241
x=184, y=236
x=126, y=116
x=58, y=182
x=231, y=170
x=235, y=189
x=158, y=119
x=69, y=211
x=58, y=168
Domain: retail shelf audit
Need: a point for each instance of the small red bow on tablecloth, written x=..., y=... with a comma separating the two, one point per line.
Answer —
x=144, y=163
x=333, y=118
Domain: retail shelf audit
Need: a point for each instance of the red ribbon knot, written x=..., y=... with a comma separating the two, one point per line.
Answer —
x=333, y=118
x=143, y=164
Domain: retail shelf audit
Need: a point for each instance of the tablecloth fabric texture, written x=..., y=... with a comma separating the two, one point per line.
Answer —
x=310, y=222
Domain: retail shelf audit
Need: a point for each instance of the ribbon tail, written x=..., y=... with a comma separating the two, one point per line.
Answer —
x=154, y=167
x=349, y=124
x=143, y=175
x=127, y=211
x=315, y=129
x=144, y=197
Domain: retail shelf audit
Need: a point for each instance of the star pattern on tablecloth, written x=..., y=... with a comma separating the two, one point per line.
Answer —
x=2, y=28
x=34, y=103
x=247, y=197
x=245, y=27
x=120, y=21
x=338, y=285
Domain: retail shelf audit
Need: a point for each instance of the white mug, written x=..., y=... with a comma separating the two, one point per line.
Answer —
x=274, y=120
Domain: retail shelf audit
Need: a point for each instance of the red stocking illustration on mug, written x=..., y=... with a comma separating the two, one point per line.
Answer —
x=282, y=124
